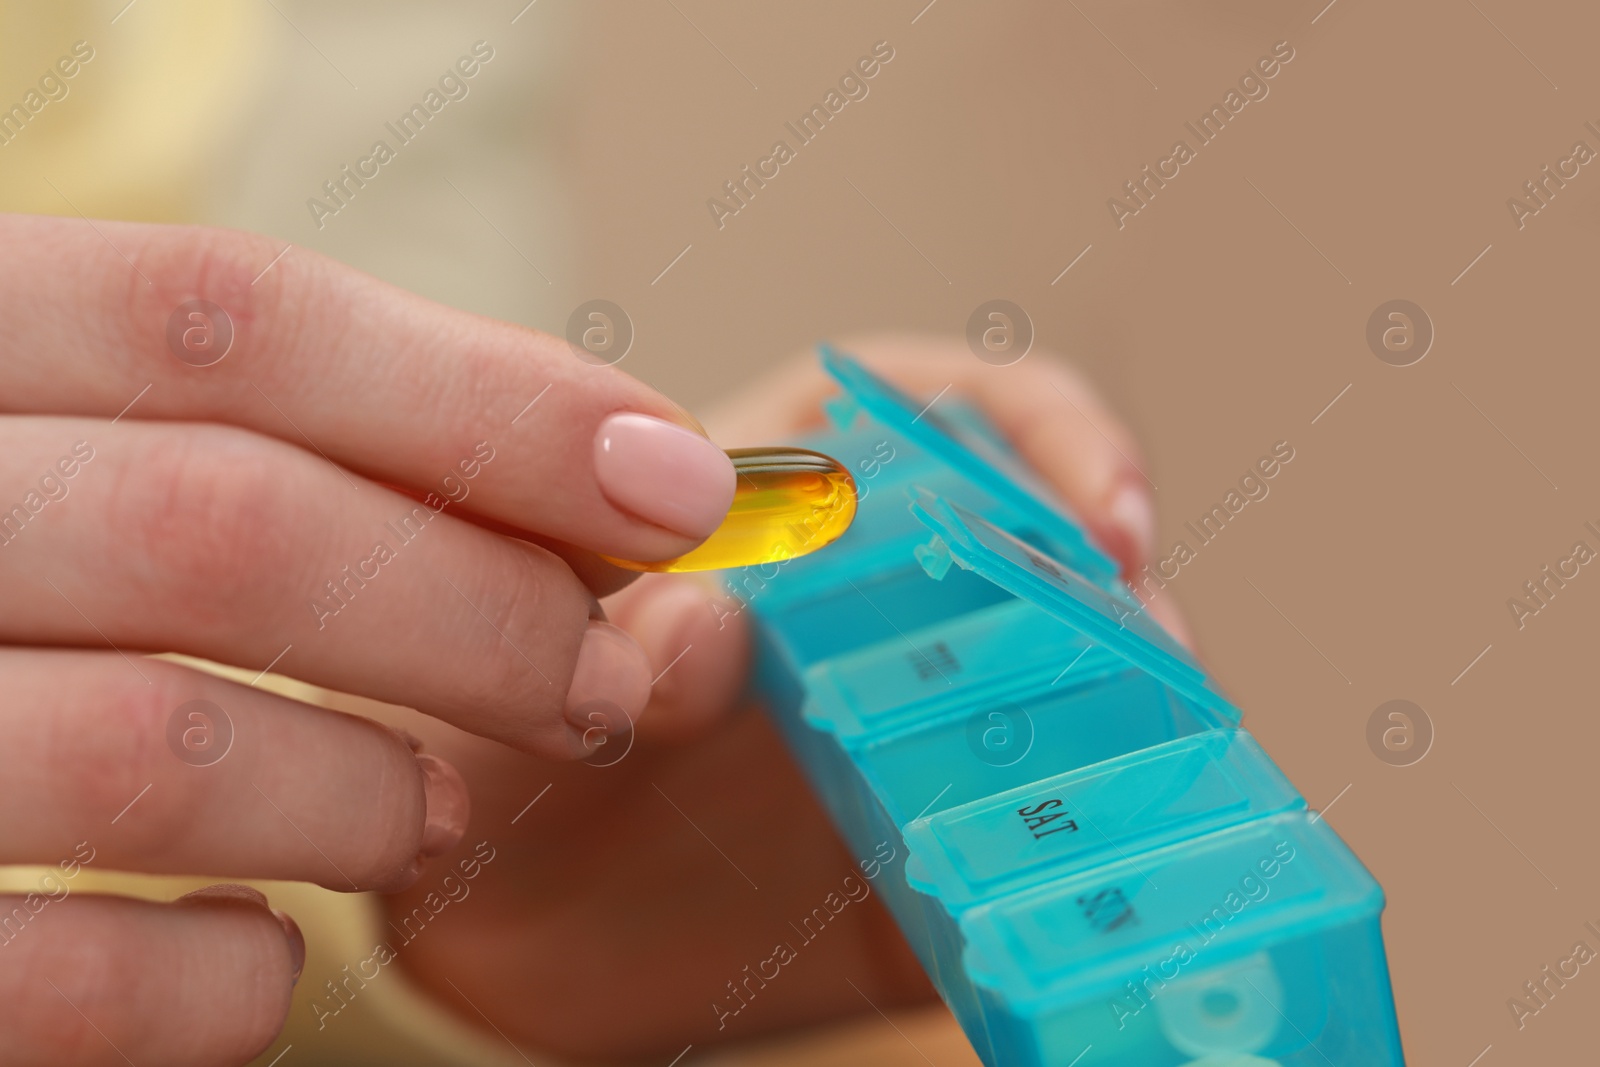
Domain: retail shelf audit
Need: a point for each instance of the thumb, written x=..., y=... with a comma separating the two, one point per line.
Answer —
x=696, y=637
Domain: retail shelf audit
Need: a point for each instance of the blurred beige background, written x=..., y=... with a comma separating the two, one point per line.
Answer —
x=1225, y=316
x=1228, y=314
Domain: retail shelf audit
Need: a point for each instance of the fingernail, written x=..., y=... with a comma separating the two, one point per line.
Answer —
x=233, y=891
x=448, y=806
x=224, y=891
x=412, y=741
x=297, y=943
x=611, y=679
x=663, y=473
x=1135, y=515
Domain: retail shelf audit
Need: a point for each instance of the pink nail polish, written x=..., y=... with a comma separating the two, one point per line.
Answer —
x=448, y=804
x=1133, y=512
x=610, y=683
x=663, y=473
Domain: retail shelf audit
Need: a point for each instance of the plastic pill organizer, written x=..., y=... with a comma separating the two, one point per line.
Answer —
x=1100, y=867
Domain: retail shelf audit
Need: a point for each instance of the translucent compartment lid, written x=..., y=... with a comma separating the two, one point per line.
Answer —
x=1114, y=620
x=954, y=663
x=1235, y=892
x=978, y=456
x=1184, y=788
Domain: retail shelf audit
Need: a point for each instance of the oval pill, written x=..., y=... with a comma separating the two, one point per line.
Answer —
x=789, y=502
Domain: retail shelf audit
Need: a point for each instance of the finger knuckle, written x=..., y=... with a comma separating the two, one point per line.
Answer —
x=106, y=985
x=525, y=645
x=176, y=265
x=42, y=1027
x=88, y=976
x=218, y=524
x=120, y=749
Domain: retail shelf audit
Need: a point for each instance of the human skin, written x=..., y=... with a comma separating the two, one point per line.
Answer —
x=610, y=924
x=206, y=512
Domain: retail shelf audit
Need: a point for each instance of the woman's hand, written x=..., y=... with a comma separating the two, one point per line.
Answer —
x=198, y=438
x=621, y=904
x=1049, y=412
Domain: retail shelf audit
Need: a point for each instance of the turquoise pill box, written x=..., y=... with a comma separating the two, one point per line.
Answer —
x=1100, y=867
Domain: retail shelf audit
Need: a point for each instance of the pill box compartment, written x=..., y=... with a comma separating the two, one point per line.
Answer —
x=995, y=746
x=978, y=852
x=1258, y=941
x=870, y=609
x=989, y=653
x=975, y=852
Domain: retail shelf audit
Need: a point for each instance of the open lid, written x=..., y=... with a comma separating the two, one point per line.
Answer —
x=977, y=456
x=1114, y=619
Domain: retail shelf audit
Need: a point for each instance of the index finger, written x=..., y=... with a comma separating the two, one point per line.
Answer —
x=101, y=322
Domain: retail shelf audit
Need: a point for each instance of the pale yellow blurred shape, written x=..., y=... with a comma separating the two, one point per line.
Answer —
x=129, y=140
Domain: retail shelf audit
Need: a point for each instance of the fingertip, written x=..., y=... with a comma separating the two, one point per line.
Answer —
x=610, y=683
x=234, y=894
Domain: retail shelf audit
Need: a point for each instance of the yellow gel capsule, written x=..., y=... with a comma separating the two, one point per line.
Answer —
x=789, y=502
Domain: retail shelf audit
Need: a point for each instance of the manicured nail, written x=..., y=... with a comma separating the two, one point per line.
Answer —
x=448, y=806
x=297, y=943
x=1135, y=515
x=611, y=682
x=663, y=473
